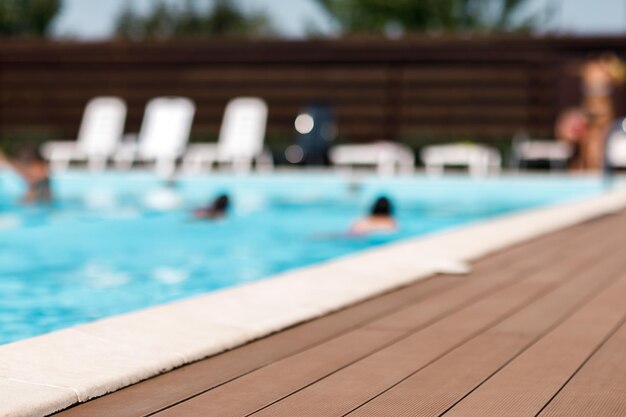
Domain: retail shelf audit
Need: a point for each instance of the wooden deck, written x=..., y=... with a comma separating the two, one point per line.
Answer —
x=534, y=330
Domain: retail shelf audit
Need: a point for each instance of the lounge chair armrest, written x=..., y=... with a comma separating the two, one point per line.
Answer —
x=60, y=150
x=126, y=152
x=200, y=155
x=205, y=152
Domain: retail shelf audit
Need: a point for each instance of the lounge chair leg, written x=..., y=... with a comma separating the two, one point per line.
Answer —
x=97, y=164
x=264, y=162
x=165, y=168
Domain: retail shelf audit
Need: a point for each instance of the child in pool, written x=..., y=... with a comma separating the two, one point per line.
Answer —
x=216, y=210
x=380, y=219
x=35, y=172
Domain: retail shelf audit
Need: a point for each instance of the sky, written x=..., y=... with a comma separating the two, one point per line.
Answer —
x=95, y=19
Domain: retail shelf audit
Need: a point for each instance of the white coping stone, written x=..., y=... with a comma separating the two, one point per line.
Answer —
x=47, y=373
x=23, y=399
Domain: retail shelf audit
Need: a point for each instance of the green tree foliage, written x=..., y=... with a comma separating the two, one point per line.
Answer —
x=223, y=19
x=27, y=17
x=376, y=16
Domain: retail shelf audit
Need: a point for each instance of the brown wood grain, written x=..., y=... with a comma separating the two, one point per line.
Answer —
x=497, y=86
x=378, y=372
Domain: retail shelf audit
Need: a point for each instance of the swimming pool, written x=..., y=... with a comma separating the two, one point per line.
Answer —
x=119, y=242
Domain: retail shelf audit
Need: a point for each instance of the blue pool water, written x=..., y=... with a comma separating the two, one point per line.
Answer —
x=114, y=243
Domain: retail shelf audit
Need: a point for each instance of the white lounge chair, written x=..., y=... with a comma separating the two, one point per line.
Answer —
x=526, y=150
x=240, y=141
x=387, y=157
x=163, y=135
x=100, y=132
x=479, y=159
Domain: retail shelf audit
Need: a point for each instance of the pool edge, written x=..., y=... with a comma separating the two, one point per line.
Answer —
x=54, y=371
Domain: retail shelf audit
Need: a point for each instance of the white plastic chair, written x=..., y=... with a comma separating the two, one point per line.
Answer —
x=240, y=141
x=100, y=132
x=387, y=157
x=525, y=150
x=480, y=160
x=163, y=136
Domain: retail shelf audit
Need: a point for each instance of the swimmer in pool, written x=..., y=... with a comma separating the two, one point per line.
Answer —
x=35, y=172
x=216, y=210
x=380, y=219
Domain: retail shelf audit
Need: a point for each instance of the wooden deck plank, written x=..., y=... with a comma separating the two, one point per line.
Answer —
x=257, y=389
x=358, y=382
x=286, y=375
x=368, y=377
x=524, y=386
x=170, y=388
x=436, y=388
x=192, y=381
x=162, y=391
x=482, y=282
x=599, y=388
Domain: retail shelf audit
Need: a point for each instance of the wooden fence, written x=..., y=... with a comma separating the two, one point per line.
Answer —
x=414, y=90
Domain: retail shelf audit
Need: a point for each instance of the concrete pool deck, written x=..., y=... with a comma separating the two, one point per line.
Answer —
x=48, y=373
